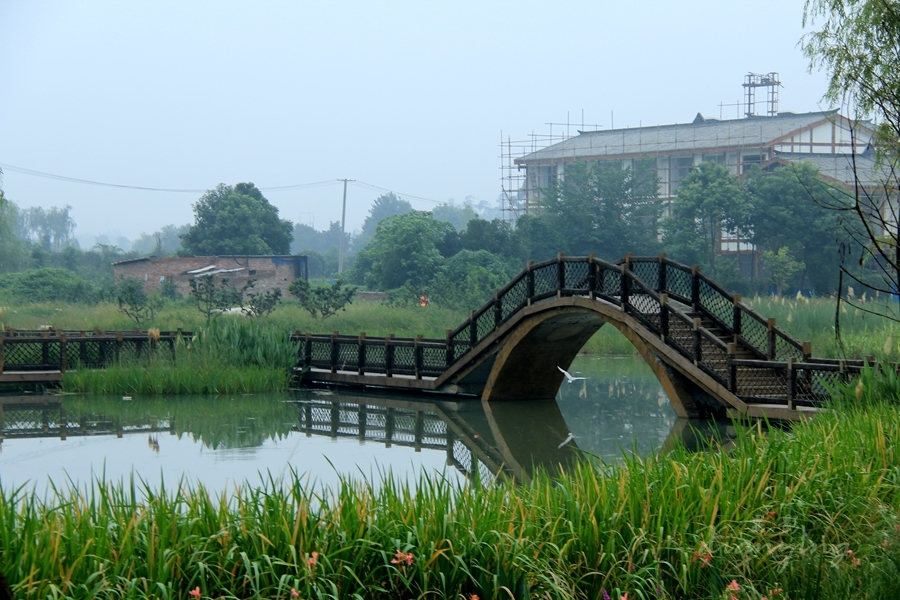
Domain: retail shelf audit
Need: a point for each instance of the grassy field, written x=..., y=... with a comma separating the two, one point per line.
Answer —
x=812, y=513
x=811, y=321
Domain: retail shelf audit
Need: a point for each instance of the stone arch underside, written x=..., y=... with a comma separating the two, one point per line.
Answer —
x=522, y=360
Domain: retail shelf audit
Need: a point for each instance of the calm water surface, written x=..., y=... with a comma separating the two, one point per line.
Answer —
x=325, y=435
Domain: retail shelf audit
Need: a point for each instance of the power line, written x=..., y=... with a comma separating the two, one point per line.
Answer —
x=280, y=188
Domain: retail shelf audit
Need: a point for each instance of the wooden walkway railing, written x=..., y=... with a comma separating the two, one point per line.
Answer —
x=40, y=350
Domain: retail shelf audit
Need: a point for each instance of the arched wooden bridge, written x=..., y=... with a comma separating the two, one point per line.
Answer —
x=710, y=351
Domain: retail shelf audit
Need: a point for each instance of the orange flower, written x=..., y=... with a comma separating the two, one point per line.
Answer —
x=313, y=559
x=195, y=592
x=733, y=585
x=294, y=593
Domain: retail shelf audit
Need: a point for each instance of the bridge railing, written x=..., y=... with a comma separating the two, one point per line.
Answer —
x=689, y=286
x=38, y=350
x=390, y=356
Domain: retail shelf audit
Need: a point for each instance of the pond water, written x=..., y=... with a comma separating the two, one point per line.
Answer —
x=326, y=435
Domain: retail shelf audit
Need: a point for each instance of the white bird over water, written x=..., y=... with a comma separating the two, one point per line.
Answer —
x=571, y=378
x=567, y=440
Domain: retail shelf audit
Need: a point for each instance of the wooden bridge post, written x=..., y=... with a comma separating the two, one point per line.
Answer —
x=623, y=285
x=62, y=353
x=334, y=352
x=807, y=350
x=45, y=348
x=119, y=344
x=498, y=309
x=417, y=356
x=592, y=274
x=307, y=351
x=736, y=316
x=389, y=356
x=770, y=341
x=560, y=273
x=361, y=354
x=450, y=354
x=791, y=382
x=732, y=369
x=695, y=287
x=661, y=283
x=663, y=316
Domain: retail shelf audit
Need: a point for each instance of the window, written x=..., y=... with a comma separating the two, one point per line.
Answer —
x=681, y=166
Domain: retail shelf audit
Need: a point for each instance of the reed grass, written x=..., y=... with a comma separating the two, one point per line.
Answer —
x=807, y=320
x=222, y=357
x=813, y=512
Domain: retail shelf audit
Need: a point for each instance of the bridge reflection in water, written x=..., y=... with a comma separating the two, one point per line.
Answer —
x=619, y=408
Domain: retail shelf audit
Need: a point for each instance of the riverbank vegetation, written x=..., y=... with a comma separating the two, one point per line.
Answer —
x=812, y=512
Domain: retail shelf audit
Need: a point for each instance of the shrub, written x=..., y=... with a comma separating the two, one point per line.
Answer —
x=48, y=285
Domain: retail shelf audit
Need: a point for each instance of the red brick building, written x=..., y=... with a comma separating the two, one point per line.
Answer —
x=270, y=272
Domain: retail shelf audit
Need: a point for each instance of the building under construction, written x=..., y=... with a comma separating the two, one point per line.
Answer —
x=826, y=138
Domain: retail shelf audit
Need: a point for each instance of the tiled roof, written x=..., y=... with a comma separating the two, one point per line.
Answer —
x=703, y=134
x=840, y=167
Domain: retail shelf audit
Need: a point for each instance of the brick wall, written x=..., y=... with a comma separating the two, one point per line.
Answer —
x=270, y=272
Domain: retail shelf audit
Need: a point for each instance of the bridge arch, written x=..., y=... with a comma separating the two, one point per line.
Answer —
x=551, y=333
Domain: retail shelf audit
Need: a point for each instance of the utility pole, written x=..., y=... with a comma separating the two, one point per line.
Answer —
x=343, y=218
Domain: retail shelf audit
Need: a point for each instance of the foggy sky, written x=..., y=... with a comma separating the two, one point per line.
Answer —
x=407, y=96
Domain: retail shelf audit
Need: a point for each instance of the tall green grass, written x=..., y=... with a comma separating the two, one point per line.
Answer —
x=223, y=357
x=813, y=512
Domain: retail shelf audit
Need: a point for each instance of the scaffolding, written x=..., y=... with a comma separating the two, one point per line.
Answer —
x=515, y=200
x=756, y=80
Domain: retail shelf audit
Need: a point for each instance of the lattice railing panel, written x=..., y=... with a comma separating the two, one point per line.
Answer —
x=404, y=360
x=755, y=332
x=718, y=305
x=433, y=360
x=785, y=350
x=22, y=354
x=347, y=355
x=811, y=386
x=577, y=275
x=609, y=282
x=485, y=324
x=320, y=353
x=376, y=357
x=767, y=383
x=515, y=298
x=678, y=283
x=648, y=272
x=546, y=280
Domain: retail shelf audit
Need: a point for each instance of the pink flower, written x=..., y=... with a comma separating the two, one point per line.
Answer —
x=624, y=596
x=733, y=585
x=402, y=557
x=195, y=592
x=474, y=597
x=294, y=593
x=313, y=559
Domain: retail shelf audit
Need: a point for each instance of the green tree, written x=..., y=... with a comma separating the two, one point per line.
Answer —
x=782, y=212
x=458, y=216
x=211, y=299
x=384, y=206
x=603, y=208
x=709, y=202
x=236, y=220
x=134, y=302
x=535, y=239
x=259, y=304
x=165, y=242
x=322, y=300
x=494, y=236
x=781, y=267
x=403, y=251
x=468, y=279
x=13, y=252
x=50, y=229
x=858, y=45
